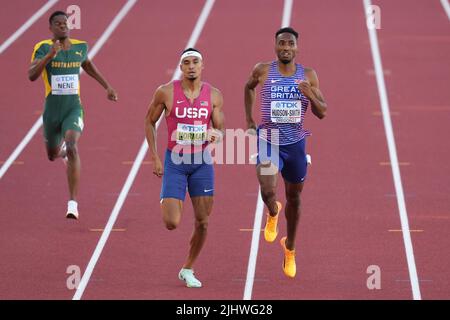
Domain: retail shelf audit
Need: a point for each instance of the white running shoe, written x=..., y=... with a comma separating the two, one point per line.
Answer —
x=72, y=210
x=187, y=275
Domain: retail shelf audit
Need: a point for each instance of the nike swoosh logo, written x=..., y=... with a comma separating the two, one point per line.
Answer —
x=77, y=124
x=180, y=101
x=276, y=80
x=208, y=190
x=79, y=53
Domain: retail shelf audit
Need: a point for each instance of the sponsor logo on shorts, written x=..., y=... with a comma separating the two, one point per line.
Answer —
x=80, y=123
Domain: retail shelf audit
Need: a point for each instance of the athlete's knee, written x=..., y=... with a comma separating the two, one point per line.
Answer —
x=72, y=148
x=171, y=225
x=293, y=199
x=51, y=156
x=201, y=224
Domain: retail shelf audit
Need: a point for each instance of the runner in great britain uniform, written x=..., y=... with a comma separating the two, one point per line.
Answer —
x=287, y=90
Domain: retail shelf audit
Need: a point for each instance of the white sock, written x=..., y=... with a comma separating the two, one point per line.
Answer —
x=72, y=206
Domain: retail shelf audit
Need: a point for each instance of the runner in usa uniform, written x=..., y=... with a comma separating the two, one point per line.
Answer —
x=59, y=60
x=190, y=107
x=287, y=90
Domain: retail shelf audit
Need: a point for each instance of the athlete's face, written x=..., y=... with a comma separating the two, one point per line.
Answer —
x=59, y=27
x=286, y=47
x=191, y=67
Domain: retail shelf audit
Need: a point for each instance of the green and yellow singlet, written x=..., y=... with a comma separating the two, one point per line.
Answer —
x=61, y=75
x=63, y=110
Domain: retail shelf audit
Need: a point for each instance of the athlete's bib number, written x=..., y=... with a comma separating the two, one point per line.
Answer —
x=65, y=84
x=286, y=111
x=191, y=134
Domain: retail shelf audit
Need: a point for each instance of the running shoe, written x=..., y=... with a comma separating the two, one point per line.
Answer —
x=72, y=210
x=289, y=267
x=187, y=275
x=271, y=229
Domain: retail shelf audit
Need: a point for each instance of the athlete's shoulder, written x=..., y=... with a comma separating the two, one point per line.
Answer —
x=310, y=72
x=216, y=97
x=41, y=48
x=214, y=90
x=47, y=42
x=166, y=87
x=76, y=41
x=164, y=90
x=262, y=66
x=311, y=76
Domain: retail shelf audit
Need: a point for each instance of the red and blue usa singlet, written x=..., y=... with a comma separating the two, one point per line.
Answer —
x=188, y=123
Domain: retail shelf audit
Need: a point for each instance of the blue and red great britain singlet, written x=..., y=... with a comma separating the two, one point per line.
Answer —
x=283, y=107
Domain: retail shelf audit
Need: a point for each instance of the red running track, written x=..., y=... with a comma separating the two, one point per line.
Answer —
x=349, y=202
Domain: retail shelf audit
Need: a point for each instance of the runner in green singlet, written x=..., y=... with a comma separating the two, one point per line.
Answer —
x=58, y=60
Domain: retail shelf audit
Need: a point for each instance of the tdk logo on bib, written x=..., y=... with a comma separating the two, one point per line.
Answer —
x=192, y=128
x=287, y=105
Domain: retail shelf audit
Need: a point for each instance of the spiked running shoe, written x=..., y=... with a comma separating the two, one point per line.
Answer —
x=72, y=210
x=289, y=266
x=187, y=275
x=271, y=229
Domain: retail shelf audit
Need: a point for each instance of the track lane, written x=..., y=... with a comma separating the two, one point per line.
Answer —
x=416, y=54
x=346, y=207
x=37, y=241
x=149, y=271
x=16, y=13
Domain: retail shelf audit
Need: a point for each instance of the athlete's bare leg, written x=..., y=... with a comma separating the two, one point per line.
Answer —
x=292, y=211
x=171, y=212
x=54, y=153
x=73, y=162
x=267, y=176
x=202, y=210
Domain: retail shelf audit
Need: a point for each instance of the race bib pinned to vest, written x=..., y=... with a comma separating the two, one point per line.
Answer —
x=286, y=111
x=188, y=134
x=65, y=84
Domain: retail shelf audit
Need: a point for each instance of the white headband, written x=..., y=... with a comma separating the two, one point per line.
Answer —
x=190, y=54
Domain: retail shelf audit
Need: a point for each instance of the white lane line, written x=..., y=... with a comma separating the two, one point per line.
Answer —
x=446, y=6
x=257, y=224
x=393, y=155
x=287, y=10
x=95, y=49
x=251, y=268
x=20, y=147
x=110, y=29
x=26, y=25
x=136, y=165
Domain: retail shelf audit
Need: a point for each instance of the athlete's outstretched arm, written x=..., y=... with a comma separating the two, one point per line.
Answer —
x=250, y=94
x=217, y=116
x=311, y=90
x=38, y=65
x=92, y=70
x=155, y=110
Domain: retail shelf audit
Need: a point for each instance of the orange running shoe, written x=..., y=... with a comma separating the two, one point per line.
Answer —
x=271, y=228
x=289, y=267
